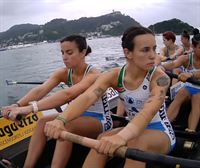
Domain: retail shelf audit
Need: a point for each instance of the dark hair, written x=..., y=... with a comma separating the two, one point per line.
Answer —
x=196, y=40
x=131, y=33
x=185, y=34
x=195, y=31
x=80, y=42
x=169, y=35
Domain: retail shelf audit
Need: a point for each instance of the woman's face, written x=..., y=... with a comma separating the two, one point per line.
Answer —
x=144, y=52
x=184, y=40
x=166, y=42
x=71, y=55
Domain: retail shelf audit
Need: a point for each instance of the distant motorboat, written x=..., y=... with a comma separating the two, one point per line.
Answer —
x=22, y=45
x=109, y=58
x=19, y=46
x=115, y=59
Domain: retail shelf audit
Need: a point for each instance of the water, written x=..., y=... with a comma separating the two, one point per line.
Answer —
x=36, y=63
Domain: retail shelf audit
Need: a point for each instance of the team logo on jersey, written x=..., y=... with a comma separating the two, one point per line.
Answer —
x=130, y=100
x=134, y=109
x=144, y=87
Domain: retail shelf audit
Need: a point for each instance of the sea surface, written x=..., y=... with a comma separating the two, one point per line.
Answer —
x=37, y=62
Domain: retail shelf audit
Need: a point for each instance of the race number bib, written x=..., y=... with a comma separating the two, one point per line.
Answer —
x=111, y=93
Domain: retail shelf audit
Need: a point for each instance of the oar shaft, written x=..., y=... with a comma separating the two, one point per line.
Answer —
x=33, y=83
x=10, y=82
x=161, y=159
x=125, y=152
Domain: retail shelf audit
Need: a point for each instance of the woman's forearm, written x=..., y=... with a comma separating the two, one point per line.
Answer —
x=78, y=106
x=33, y=94
x=55, y=100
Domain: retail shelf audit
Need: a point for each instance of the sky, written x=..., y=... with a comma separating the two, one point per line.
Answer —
x=146, y=12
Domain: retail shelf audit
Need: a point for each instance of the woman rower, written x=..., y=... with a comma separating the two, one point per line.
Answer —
x=142, y=88
x=78, y=75
x=191, y=64
x=169, y=52
x=186, y=44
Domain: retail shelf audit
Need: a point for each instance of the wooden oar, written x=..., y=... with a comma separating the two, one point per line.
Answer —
x=88, y=142
x=11, y=82
x=125, y=152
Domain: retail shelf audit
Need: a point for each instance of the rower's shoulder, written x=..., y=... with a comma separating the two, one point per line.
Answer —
x=113, y=70
x=61, y=70
x=94, y=70
x=160, y=73
x=60, y=74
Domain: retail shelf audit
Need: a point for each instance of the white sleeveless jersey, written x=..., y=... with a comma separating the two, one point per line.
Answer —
x=134, y=101
x=190, y=67
x=101, y=106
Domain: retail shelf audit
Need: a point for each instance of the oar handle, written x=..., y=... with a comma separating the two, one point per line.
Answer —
x=88, y=142
x=19, y=117
x=190, y=80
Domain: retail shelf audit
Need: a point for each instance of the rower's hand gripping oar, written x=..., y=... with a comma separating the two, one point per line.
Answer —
x=11, y=82
x=125, y=152
x=18, y=117
x=190, y=80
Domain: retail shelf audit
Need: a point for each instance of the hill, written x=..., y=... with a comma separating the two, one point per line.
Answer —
x=112, y=24
x=175, y=25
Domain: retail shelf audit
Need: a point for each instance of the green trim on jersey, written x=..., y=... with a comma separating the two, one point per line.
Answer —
x=150, y=72
x=190, y=65
x=120, y=88
x=70, y=72
x=69, y=79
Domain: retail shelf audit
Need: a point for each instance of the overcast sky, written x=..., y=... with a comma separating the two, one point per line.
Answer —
x=146, y=12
